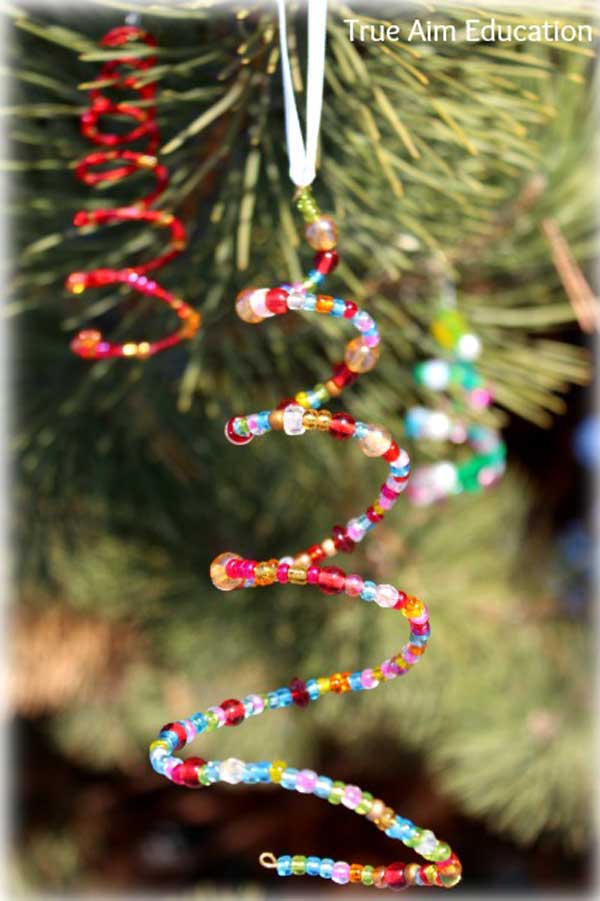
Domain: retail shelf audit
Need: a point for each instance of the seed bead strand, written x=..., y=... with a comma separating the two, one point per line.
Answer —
x=229, y=571
x=117, y=163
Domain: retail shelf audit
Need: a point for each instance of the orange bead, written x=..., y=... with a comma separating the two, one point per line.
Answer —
x=324, y=303
x=356, y=872
x=218, y=572
x=359, y=357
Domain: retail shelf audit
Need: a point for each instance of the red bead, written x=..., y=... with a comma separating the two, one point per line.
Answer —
x=286, y=402
x=325, y=261
x=351, y=309
x=234, y=711
x=343, y=376
x=401, y=602
x=300, y=695
x=392, y=453
x=187, y=773
x=419, y=628
x=394, y=876
x=316, y=552
x=282, y=572
x=179, y=731
x=342, y=426
x=232, y=568
x=276, y=300
x=331, y=579
x=342, y=540
x=373, y=516
x=233, y=437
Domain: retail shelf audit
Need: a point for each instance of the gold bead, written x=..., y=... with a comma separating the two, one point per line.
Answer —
x=410, y=873
x=322, y=234
x=266, y=572
x=218, y=572
x=297, y=575
x=329, y=547
x=376, y=810
x=386, y=820
x=276, y=420
x=243, y=308
x=332, y=389
x=324, y=420
x=310, y=419
x=303, y=560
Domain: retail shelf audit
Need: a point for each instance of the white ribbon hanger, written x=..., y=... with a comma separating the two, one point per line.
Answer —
x=302, y=156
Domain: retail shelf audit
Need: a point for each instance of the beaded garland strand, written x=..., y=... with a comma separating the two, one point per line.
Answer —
x=89, y=343
x=229, y=572
x=436, y=481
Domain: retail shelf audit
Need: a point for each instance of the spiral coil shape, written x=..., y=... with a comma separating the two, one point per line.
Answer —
x=112, y=164
x=230, y=571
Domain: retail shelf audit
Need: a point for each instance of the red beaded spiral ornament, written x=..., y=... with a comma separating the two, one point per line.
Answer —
x=120, y=73
x=230, y=571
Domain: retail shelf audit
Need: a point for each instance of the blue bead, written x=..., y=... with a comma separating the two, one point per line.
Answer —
x=158, y=762
x=369, y=590
x=199, y=721
x=354, y=681
x=326, y=868
x=263, y=421
x=212, y=770
x=339, y=308
x=419, y=640
x=273, y=700
x=262, y=768
x=251, y=774
x=285, y=697
x=401, y=830
x=400, y=471
x=310, y=302
x=284, y=865
x=323, y=787
x=361, y=429
x=313, y=689
x=288, y=778
x=171, y=737
x=313, y=866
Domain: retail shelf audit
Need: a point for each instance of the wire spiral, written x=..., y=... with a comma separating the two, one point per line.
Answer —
x=121, y=74
x=229, y=571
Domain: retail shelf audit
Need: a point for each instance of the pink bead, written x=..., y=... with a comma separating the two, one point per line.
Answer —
x=312, y=575
x=306, y=781
x=353, y=585
x=258, y=303
x=354, y=531
x=253, y=423
x=406, y=655
x=258, y=704
x=190, y=729
x=352, y=797
x=368, y=680
x=282, y=572
x=424, y=618
x=340, y=872
x=385, y=503
x=403, y=459
x=371, y=340
x=386, y=596
x=170, y=765
x=480, y=398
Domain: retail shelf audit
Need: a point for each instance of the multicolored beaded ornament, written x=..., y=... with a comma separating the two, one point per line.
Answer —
x=452, y=420
x=120, y=73
x=229, y=571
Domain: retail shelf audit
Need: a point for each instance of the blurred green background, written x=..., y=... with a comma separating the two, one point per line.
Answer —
x=446, y=158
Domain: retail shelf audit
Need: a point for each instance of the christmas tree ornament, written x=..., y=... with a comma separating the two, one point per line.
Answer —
x=117, y=163
x=467, y=395
x=311, y=568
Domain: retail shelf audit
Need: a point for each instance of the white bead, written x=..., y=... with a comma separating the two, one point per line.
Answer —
x=402, y=459
x=436, y=375
x=468, y=347
x=231, y=770
x=292, y=420
x=437, y=427
x=258, y=302
x=445, y=478
x=386, y=595
x=427, y=844
x=295, y=301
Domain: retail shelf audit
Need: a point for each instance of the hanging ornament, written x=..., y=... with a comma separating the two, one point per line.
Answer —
x=120, y=73
x=300, y=415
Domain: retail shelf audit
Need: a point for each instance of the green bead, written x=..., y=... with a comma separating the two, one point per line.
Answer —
x=365, y=804
x=203, y=776
x=366, y=877
x=440, y=852
x=415, y=839
x=321, y=392
x=298, y=865
x=212, y=721
x=337, y=791
x=448, y=327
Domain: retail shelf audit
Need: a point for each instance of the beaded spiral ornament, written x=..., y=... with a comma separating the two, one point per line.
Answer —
x=118, y=164
x=448, y=422
x=229, y=571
